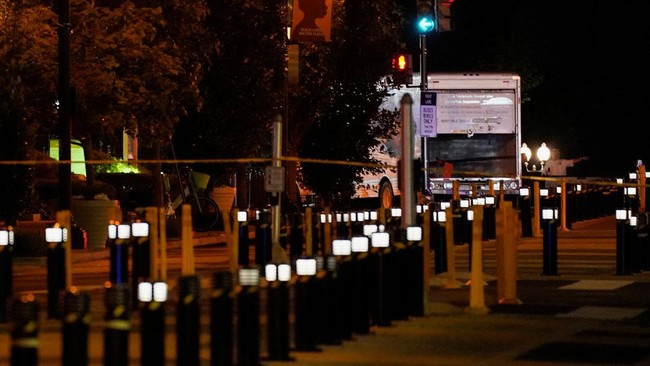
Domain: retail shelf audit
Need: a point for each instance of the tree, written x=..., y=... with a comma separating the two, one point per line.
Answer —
x=337, y=104
x=242, y=90
x=26, y=73
x=136, y=68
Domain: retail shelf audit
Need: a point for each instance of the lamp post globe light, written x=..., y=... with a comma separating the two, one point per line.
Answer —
x=543, y=154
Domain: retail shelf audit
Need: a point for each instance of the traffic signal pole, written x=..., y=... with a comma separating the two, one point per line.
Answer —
x=423, y=87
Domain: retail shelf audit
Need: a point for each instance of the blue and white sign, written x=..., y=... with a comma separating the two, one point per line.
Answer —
x=428, y=109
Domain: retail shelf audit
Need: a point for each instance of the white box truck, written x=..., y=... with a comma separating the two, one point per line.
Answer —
x=473, y=121
x=468, y=129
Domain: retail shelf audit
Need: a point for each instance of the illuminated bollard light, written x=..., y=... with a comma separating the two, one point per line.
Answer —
x=549, y=237
x=75, y=327
x=117, y=325
x=380, y=241
x=305, y=329
x=6, y=271
x=119, y=236
x=277, y=277
x=24, y=332
x=188, y=321
x=55, y=237
x=248, y=317
x=152, y=297
x=221, y=320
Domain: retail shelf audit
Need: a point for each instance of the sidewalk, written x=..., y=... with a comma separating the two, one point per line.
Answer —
x=562, y=320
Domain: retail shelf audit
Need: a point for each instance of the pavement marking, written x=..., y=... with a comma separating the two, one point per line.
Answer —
x=603, y=313
x=600, y=285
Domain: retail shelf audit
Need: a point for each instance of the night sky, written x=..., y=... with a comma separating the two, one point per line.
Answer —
x=593, y=99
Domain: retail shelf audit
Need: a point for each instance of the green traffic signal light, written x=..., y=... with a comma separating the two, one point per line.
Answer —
x=425, y=22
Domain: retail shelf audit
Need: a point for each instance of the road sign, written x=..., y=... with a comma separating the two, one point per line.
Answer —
x=427, y=127
x=274, y=179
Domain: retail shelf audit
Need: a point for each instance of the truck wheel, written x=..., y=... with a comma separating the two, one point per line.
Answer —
x=385, y=195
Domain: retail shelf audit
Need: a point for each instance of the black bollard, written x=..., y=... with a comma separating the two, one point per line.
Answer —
x=119, y=236
x=623, y=236
x=328, y=303
x=141, y=254
x=315, y=233
x=525, y=213
x=76, y=320
x=277, y=313
x=438, y=240
x=305, y=338
x=360, y=281
x=6, y=271
x=188, y=321
x=24, y=332
x=296, y=237
x=397, y=269
x=489, y=219
x=248, y=318
x=152, y=298
x=356, y=226
x=243, y=248
x=55, y=271
x=221, y=320
x=324, y=228
x=380, y=242
x=415, y=250
x=348, y=298
x=117, y=325
x=549, y=231
x=342, y=225
x=263, y=238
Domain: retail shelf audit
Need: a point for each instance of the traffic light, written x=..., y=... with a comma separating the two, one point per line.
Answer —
x=402, y=65
x=443, y=15
x=425, y=22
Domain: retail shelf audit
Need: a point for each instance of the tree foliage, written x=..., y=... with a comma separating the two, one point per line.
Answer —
x=242, y=90
x=135, y=66
x=337, y=103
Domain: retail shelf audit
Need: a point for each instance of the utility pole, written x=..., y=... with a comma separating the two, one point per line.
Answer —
x=65, y=125
x=426, y=23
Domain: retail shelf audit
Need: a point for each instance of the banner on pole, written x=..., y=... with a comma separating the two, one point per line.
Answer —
x=312, y=21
